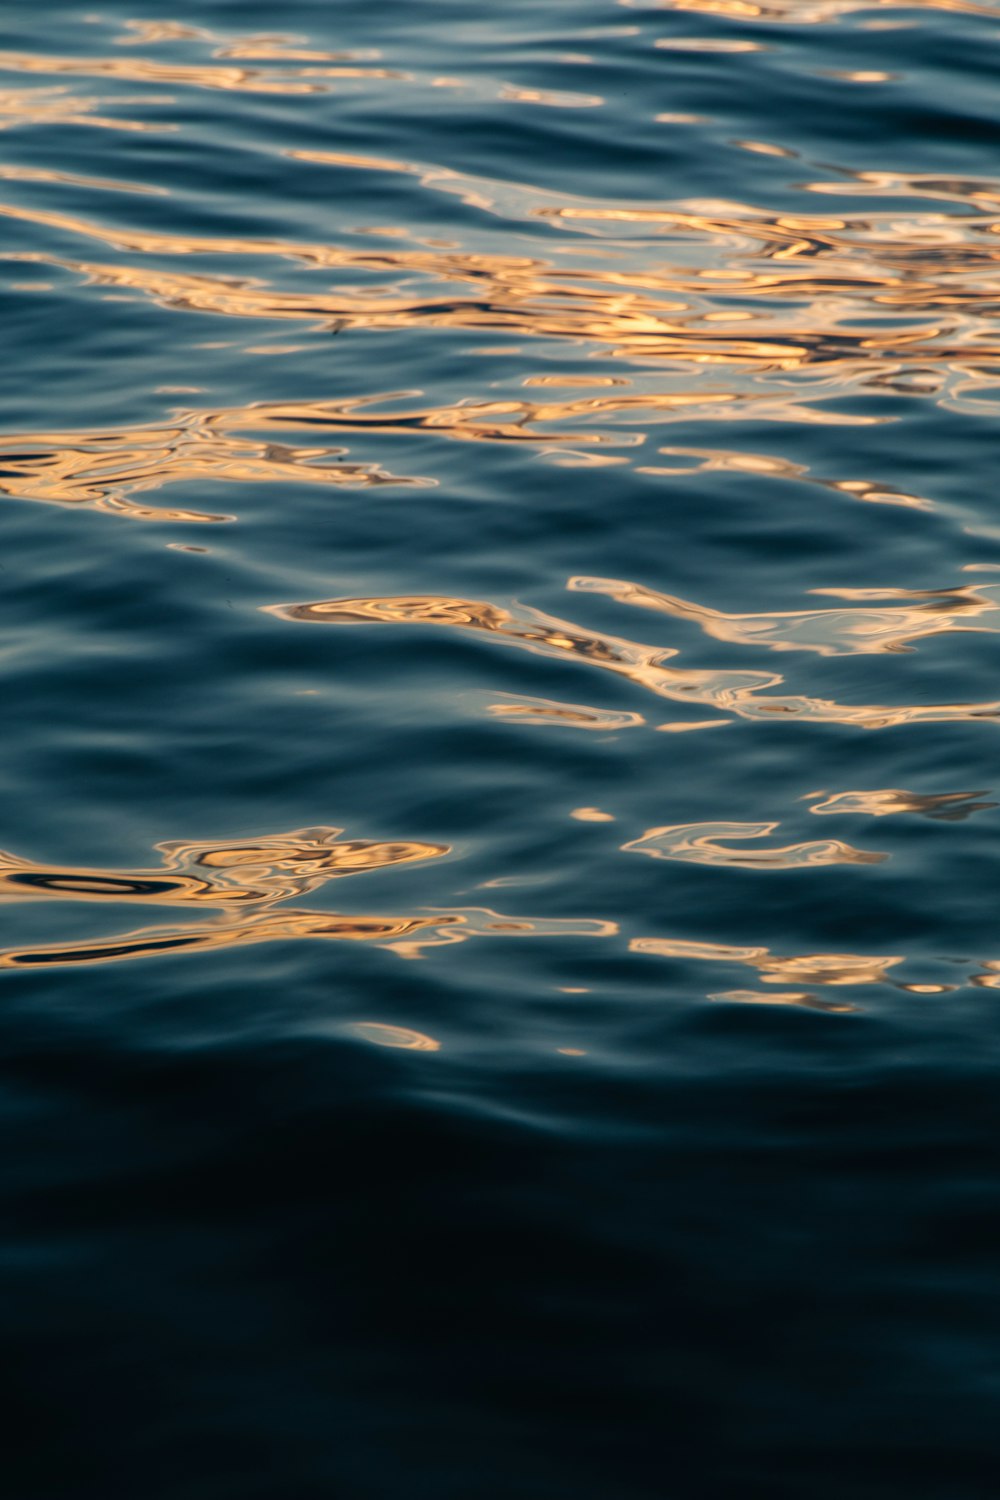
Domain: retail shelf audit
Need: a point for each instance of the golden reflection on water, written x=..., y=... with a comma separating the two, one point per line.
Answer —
x=700, y=844
x=708, y=44
x=830, y=632
x=260, y=45
x=259, y=871
x=568, y=715
x=947, y=806
x=686, y=726
x=743, y=693
x=803, y=968
x=298, y=80
x=256, y=875
x=57, y=105
x=860, y=75
x=800, y=998
x=105, y=469
x=406, y=936
x=805, y=12
x=767, y=466
x=244, y=880
x=383, y=1035
x=409, y=936
x=854, y=302
x=11, y=172
x=735, y=311
x=551, y=98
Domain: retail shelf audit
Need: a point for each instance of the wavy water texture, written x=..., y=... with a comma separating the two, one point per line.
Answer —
x=807, y=12
x=256, y=875
x=770, y=466
x=383, y=1035
x=406, y=936
x=829, y=632
x=258, y=871
x=567, y=715
x=799, y=998
x=742, y=693
x=607, y=375
x=710, y=844
x=803, y=968
x=103, y=470
x=886, y=302
x=949, y=807
x=57, y=105
x=878, y=287
x=298, y=80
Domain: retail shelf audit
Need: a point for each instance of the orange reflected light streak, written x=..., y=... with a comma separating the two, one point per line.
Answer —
x=104, y=469
x=255, y=875
x=933, y=264
x=296, y=80
x=699, y=843
x=735, y=692
x=57, y=106
x=805, y=12
x=947, y=806
x=383, y=1035
x=803, y=968
x=259, y=871
x=829, y=632
x=568, y=715
x=407, y=936
x=800, y=998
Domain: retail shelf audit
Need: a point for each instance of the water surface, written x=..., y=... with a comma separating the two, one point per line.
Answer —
x=500, y=787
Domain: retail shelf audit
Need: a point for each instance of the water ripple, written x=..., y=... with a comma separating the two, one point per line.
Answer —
x=702, y=844
x=491, y=331
x=744, y=693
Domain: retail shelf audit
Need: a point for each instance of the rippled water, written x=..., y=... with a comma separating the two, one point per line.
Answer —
x=559, y=434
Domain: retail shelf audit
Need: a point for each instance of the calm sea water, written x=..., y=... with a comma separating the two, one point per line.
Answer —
x=500, y=775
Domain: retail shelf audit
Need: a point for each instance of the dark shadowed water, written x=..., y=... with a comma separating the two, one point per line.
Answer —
x=499, y=576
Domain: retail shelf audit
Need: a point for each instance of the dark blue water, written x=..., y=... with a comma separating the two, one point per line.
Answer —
x=499, y=790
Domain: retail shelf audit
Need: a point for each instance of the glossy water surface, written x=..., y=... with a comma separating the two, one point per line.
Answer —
x=500, y=765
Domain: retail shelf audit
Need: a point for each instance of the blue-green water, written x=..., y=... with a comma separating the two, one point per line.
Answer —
x=501, y=721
